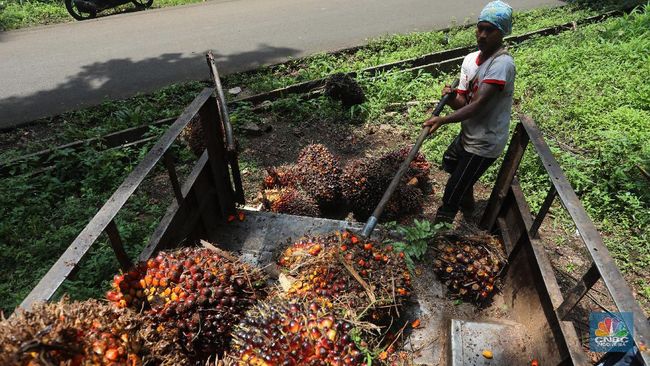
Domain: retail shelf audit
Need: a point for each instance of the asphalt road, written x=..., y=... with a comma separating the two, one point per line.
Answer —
x=48, y=70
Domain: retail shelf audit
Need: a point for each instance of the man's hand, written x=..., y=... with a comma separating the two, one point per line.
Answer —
x=447, y=90
x=433, y=123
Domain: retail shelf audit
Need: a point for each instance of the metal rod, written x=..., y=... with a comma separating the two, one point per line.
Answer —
x=116, y=243
x=168, y=160
x=231, y=148
x=578, y=292
x=372, y=221
x=223, y=108
x=548, y=201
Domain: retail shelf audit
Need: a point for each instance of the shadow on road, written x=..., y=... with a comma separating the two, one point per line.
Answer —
x=121, y=78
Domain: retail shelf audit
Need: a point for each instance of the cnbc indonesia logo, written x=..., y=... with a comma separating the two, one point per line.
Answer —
x=609, y=332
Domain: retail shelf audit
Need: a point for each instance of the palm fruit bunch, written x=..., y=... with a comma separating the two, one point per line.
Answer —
x=73, y=333
x=469, y=269
x=341, y=268
x=318, y=172
x=292, y=334
x=290, y=201
x=419, y=167
x=406, y=199
x=344, y=88
x=364, y=182
x=195, y=291
x=279, y=177
x=128, y=288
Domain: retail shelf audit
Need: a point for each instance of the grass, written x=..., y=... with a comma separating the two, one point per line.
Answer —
x=393, y=48
x=597, y=134
x=16, y=14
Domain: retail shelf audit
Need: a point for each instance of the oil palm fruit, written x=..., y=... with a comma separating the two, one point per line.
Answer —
x=292, y=334
x=290, y=201
x=325, y=269
x=318, y=172
x=193, y=290
x=279, y=177
x=468, y=268
x=73, y=333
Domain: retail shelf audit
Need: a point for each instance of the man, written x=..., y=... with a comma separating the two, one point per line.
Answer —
x=482, y=104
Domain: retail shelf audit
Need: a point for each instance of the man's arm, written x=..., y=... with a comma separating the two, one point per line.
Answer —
x=459, y=101
x=477, y=106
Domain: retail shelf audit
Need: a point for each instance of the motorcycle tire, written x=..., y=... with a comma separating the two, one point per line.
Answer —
x=142, y=4
x=76, y=13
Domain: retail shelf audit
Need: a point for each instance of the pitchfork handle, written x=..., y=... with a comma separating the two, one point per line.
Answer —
x=426, y=131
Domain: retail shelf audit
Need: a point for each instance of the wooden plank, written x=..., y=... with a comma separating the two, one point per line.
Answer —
x=168, y=160
x=118, y=247
x=612, y=277
x=48, y=285
x=231, y=149
x=539, y=218
x=507, y=172
x=578, y=292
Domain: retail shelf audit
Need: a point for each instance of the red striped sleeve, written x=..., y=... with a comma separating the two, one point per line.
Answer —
x=500, y=83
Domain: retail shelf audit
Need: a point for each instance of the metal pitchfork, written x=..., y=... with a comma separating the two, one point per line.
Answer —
x=372, y=220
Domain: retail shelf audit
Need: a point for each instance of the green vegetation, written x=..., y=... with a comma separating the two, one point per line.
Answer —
x=586, y=90
x=15, y=14
x=583, y=87
x=415, y=239
x=394, y=48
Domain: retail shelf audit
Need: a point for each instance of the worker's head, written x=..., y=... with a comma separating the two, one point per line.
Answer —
x=494, y=23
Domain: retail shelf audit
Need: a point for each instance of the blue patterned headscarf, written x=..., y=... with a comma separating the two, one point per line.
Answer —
x=498, y=14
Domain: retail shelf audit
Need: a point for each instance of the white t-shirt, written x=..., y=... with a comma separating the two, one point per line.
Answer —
x=486, y=134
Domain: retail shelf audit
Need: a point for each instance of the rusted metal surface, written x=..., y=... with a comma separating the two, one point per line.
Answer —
x=221, y=102
x=118, y=247
x=616, y=285
x=541, y=214
x=80, y=246
x=231, y=148
x=511, y=161
x=505, y=340
x=260, y=234
x=578, y=292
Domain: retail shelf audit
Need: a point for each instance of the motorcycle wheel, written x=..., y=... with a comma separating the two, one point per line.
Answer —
x=76, y=13
x=142, y=4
